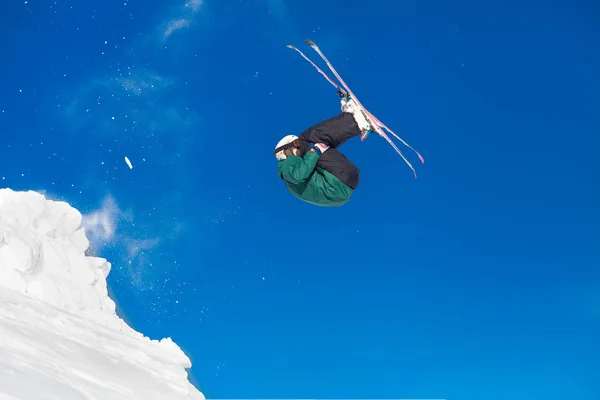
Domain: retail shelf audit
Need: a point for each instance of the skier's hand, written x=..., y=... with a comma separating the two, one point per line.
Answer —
x=320, y=148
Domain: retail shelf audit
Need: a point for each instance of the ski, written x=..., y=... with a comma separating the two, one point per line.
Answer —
x=344, y=90
x=319, y=69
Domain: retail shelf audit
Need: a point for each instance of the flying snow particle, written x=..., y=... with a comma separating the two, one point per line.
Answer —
x=128, y=163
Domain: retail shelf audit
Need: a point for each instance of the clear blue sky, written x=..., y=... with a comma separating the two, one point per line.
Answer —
x=480, y=279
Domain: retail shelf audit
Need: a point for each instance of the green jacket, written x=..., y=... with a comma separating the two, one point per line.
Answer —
x=312, y=184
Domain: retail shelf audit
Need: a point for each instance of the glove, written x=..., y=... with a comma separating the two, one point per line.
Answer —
x=320, y=148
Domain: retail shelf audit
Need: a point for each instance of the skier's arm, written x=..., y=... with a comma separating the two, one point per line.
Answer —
x=298, y=169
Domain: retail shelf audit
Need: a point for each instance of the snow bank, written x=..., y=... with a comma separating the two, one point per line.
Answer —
x=60, y=335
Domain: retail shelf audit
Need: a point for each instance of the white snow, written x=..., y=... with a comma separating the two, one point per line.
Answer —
x=128, y=162
x=60, y=337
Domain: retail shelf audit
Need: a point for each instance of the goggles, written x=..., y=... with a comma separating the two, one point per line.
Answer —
x=295, y=143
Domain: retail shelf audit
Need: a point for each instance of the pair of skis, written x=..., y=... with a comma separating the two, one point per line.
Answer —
x=378, y=126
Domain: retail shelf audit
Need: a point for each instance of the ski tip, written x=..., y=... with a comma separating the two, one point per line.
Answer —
x=289, y=46
x=421, y=158
x=310, y=42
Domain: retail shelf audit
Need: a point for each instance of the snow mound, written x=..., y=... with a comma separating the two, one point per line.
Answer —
x=60, y=335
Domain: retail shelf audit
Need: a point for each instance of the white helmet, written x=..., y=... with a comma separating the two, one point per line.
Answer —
x=285, y=141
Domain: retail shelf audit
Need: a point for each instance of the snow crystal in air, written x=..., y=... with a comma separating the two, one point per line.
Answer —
x=128, y=162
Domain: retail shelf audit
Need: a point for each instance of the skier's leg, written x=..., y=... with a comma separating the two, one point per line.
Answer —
x=339, y=166
x=333, y=132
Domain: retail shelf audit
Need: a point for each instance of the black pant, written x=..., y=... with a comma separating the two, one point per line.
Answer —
x=334, y=132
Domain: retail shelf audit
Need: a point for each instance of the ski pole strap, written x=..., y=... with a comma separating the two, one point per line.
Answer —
x=295, y=143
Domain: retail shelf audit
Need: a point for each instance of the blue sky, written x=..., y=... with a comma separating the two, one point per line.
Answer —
x=479, y=279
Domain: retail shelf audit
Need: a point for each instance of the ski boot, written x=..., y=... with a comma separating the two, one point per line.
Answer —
x=364, y=124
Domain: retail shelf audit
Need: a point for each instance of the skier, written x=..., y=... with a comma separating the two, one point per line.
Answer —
x=313, y=168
